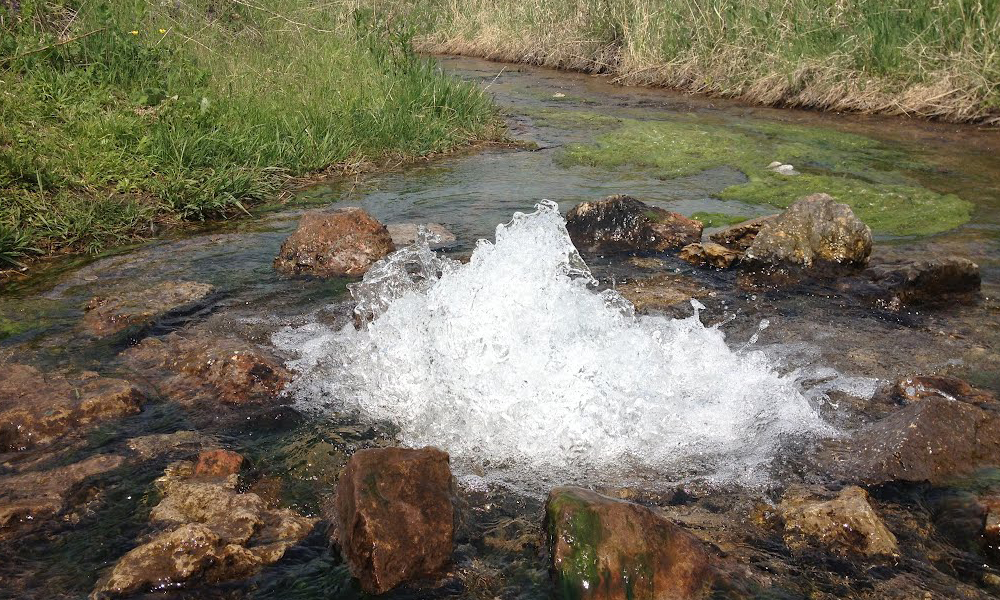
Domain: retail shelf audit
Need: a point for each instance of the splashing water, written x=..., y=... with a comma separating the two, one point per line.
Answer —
x=514, y=362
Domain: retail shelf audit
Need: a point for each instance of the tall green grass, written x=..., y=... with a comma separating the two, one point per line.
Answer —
x=117, y=116
x=930, y=58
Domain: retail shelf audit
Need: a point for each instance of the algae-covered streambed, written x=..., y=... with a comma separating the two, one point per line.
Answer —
x=505, y=355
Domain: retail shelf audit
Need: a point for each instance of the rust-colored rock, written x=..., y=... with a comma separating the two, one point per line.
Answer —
x=932, y=440
x=608, y=549
x=395, y=515
x=200, y=368
x=709, y=254
x=36, y=408
x=918, y=387
x=660, y=292
x=28, y=498
x=106, y=315
x=218, y=463
x=213, y=534
x=332, y=244
x=814, y=231
x=846, y=524
x=740, y=236
x=623, y=224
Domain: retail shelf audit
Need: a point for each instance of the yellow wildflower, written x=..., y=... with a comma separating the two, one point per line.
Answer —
x=134, y=32
x=162, y=31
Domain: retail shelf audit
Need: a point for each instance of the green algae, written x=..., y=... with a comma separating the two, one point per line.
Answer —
x=579, y=568
x=714, y=219
x=859, y=171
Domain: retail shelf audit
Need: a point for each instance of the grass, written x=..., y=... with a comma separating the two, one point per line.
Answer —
x=929, y=58
x=856, y=170
x=119, y=117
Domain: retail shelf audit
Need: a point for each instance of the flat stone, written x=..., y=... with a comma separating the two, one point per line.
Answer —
x=204, y=368
x=814, y=231
x=624, y=224
x=934, y=282
x=709, y=254
x=740, y=236
x=106, y=315
x=345, y=242
x=395, y=516
x=37, y=408
x=608, y=549
x=660, y=292
x=846, y=524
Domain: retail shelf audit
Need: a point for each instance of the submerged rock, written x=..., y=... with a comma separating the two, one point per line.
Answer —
x=345, y=242
x=932, y=440
x=846, y=524
x=404, y=234
x=623, y=224
x=149, y=446
x=36, y=408
x=739, y=237
x=218, y=463
x=918, y=387
x=934, y=282
x=198, y=368
x=28, y=498
x=710, y=254
x=106, y=315
x=814, y=231
x=394, y=515
x=661, y=292
x=215, y=534
x=609, y=549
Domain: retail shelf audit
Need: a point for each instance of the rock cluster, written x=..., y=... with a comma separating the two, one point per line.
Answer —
x=213, y=533
x=36, y=408
x=345, y=242
x=106, y=315
x=623, y=224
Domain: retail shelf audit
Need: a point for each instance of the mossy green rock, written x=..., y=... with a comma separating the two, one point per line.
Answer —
x=609, y=549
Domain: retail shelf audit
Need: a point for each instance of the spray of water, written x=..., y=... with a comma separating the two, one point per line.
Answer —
x=515, y=364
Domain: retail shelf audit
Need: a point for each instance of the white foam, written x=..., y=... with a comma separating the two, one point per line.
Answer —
x=513, y=362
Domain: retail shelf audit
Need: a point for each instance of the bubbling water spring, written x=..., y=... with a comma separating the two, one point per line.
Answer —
x=513, y=363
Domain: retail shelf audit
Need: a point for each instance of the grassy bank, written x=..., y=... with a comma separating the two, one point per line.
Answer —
x=928, y=58
x=119, y=117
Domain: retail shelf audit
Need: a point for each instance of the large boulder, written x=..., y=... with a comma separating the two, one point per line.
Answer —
x=212, y=533
x=814, y=231
x=608, y=549
x=394, y=515
x=345, y=242
x=31, y=497
x=36, y=408
x=198, y=368
x=740, y=236
x=623, y=224
x=934, y=439
x=933, y=282
x=846, y=524
x=110, y=314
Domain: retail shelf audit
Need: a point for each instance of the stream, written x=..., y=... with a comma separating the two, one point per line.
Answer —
x=713, y=424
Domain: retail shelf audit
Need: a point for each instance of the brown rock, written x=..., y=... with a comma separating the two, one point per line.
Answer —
x=609, y=549
x=660, y=292
x=345, y=242
x=395, y=516
x=846, y=524
x=918, y=387
x=36, y=408
x=28, y=498
x=110, y=314
x=215, y=534
x=624, y=224
x=932, y=440
x=935, y=282
x=710, y=254
x=218, y=463
x=740, y=236
x=814, y=231
x=198, y=368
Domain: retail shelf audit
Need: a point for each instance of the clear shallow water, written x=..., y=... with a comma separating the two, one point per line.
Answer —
x=819, y=343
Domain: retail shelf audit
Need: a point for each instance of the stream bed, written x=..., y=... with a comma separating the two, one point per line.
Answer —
x=810, y=361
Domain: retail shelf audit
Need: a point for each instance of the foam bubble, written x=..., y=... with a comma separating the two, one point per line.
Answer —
x=515, y=363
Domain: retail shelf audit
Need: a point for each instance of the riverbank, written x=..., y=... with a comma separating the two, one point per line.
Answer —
x=117, y=119
x=934, y=59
